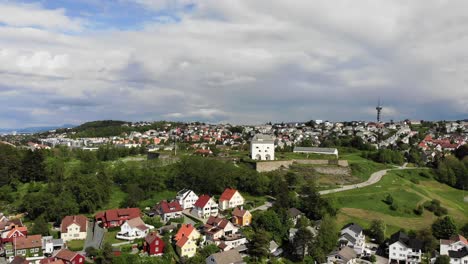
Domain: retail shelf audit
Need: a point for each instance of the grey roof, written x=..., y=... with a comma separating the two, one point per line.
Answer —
x=293, y=212
x=353, y=227
x=261, y=138
x=314, y=149
x=226, y=257
x=347, y=254
x=403, y=238
x=462, y=252
x=348, y=237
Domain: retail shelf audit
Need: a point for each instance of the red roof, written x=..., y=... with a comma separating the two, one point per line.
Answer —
x=202, y=201
x=118, y=214
x=227, y=194
x=238, y=212
x=80, y=220
x=66, y=254
x=461, y=238
x=181, y=242
x=34, y=241
x=171, y=207
x=184, y=231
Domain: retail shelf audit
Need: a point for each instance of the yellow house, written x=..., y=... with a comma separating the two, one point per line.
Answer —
x=241, y=217
x=186, y=241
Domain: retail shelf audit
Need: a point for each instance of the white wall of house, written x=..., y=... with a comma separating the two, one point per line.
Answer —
x=399, y=251
x=187, y=200
x=73, y=233
x=463, y=260
x=210, y=209
x=236, y=200
x=444, y=248
x=131, y=231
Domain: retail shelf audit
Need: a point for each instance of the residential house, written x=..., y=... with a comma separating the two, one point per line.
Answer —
x=294, y=214
x=352, y=235
x=116, y=217
x=69, y=257
x=205, y=207
x=459, y=256
x=153, y=244
x=186, y=198
x=404, y=249
x=186, y=241
x=345, y=255
x=456, y=248
x=12, y=233
x=168, y=210
x=230, y=198
x=74, y=227
x=51, y=261
x=241, y=217
x=223, y=233
x=225, y=257
x=29, y=247
x=19, y=260
x=134, y=228
x=455, y=243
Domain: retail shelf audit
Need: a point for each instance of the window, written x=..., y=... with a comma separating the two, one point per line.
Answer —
x=157, y=249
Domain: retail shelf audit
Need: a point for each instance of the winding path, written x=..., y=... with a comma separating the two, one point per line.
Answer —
x=374, y=178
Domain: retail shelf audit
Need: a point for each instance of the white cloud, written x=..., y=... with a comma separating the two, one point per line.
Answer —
x=244, y=61
x=33, y=15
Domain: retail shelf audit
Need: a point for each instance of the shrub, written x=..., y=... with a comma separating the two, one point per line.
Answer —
x=389, y=199
x=415, y=181
x=394, y=206
x=418, y=210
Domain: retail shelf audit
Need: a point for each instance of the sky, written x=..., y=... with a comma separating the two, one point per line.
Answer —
x=231, y=61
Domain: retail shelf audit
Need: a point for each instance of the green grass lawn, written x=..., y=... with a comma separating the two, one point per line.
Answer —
x=117, y=197
x=157, y=197
x=76, y=245
x=253, y=201
x=365, y=204
x=109, y=237
x=362, y=168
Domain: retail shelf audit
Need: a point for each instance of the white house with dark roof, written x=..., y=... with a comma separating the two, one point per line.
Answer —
x=352, y=235
x=404, y=249
x=186, y=198
x=262, y=147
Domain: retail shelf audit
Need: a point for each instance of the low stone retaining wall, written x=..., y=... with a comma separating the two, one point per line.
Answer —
x=265, y=166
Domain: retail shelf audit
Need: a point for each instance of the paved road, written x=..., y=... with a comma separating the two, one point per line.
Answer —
x=263, y=207
x=374, y=178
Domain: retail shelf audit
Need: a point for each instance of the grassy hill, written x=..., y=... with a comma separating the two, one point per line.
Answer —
x=409, y=188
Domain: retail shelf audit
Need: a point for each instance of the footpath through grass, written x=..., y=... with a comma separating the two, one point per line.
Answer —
x=408, y=189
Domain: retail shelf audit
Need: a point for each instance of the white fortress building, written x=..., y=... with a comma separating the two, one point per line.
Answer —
x=262, y=147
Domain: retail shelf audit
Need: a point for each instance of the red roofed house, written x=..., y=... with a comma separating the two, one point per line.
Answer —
x=51, y=261
x=19, y=260
x=153, y=244
x=205, y=207
x=69, y=257
x=230, y=198
x=15, y=232
x=168, y=210
x=241, y=217
x=116, y=217
x=186, y=241
x=74, y=227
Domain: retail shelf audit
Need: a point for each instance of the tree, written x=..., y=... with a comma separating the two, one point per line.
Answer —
x=40, y=227
x=32, y=166
x=313, y=205
x=259, y=246
x=461, y=152
x=377, y=231
x=443, y=228
x=389, y=199
x=105, y=255
x=325, y=241
x=464, y=230
x=302, y=241
x=428, y=240
x=443, y=259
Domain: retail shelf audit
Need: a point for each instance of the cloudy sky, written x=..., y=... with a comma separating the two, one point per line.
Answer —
x=238, y=61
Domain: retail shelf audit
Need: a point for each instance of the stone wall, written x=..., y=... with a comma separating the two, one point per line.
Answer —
x=264, y=166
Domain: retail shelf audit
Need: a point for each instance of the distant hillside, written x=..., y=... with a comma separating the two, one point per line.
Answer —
x=107, y=128
x=32, y=130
